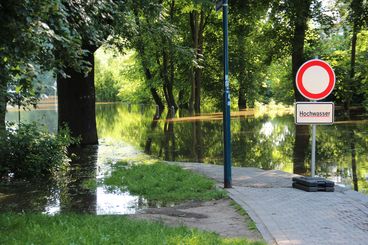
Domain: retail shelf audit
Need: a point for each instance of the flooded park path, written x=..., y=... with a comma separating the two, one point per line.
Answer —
x=266, y=140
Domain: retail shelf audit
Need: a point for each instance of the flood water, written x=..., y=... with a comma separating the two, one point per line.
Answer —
x=265, y=139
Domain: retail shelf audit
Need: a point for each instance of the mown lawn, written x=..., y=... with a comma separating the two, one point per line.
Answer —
x=91, y=229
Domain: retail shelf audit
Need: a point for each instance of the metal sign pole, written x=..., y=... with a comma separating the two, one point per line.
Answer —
x=226, y=115
x=313, y=167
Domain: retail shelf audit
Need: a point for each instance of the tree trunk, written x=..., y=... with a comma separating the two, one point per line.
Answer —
x=141, y=52
x=76, y=197
x=3, y=102
x=302, y=11
x=154, y=123
x=182, y=103
x=353, y=160
x=171, y=76
x=76, y=102
x=165, y=76
x=352, y=69
x=242, y=102
x=197, y=146
x=300, y=149
x=197, y=24
x=156, y=97
x=170, y=84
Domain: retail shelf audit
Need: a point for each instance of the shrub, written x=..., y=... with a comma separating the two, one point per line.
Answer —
x=30, y=151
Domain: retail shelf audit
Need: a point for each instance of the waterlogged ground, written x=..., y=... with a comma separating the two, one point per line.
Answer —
x=265, y=138
x=69, y=193
x=73, y=193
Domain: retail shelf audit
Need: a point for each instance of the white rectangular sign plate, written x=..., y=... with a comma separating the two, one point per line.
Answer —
x=314, y=112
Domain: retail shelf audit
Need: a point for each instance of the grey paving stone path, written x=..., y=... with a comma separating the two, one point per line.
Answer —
x=285, y=215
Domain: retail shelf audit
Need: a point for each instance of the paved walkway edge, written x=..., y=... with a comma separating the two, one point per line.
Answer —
x=260, y=225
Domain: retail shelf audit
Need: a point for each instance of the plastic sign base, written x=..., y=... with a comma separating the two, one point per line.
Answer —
x=313, y=184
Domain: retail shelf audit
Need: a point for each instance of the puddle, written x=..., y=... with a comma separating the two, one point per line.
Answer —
x=70, y=193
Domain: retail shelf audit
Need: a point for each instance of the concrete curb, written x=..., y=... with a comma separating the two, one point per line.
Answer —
x=260, y=225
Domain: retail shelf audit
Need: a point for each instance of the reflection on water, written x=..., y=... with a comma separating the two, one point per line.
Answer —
x=264, y=140
x=69, y=192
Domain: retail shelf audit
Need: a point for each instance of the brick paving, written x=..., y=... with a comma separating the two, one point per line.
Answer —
x=285, y=215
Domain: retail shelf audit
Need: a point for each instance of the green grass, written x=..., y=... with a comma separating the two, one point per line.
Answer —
x=163, y=183
x=250, y=223
x=91, y=229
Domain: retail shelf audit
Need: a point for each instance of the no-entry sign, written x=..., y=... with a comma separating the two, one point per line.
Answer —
x=315, y=79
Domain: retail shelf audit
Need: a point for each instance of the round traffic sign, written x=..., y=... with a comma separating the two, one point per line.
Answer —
x=315, y=79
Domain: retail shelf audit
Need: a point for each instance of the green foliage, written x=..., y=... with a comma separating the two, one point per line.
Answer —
x=30, y=152
x=164, y=183
x=118, y=77
x=91, y=229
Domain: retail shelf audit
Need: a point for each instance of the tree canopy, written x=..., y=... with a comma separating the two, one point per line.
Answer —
x=176, y=46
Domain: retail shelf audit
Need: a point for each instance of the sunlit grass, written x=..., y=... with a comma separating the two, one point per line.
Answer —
x=91, y=229
x=162, y=183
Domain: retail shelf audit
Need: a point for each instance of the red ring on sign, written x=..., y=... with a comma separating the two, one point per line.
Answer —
x=299, y=79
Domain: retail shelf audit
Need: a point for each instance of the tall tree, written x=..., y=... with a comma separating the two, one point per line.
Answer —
x=357, y=19
x=30, y=33
x=93, y=23
x=300, y=17
x=197, y=23
x=248, y=60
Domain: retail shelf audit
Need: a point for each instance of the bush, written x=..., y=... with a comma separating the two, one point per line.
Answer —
x=30, y=151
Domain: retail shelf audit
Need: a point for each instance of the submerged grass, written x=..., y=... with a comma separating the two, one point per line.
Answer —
x=91, y=229
x=162, y=182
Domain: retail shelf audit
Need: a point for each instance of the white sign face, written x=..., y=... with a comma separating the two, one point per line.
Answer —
x=314, y=113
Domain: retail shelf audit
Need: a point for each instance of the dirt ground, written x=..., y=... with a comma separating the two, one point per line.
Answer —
x=215, y=216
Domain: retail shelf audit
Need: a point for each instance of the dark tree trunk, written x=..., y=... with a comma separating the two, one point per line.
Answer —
x=353, y=160
x=141, y=51
x=3, y=102
x=156, y=97
x=300, y=149
x=197, y=146
x=197, y=24
x=77, y=198
x=352, y=82
x=154, y=123
x=302, y=11
x=170, y=85
x=242, y=101
x=182, y=103
x=169, y=144
x=171, y=76
x=163, y=74
x=76, y=102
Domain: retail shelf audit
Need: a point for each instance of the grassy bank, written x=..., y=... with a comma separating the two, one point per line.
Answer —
x=90, y=229
x=164, y=183
x=157, y=182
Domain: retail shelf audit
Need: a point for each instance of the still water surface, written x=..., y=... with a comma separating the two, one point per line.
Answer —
x=265, y=139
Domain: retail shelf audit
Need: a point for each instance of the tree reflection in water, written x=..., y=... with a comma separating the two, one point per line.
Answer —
x=75, y=196
x=258, y=140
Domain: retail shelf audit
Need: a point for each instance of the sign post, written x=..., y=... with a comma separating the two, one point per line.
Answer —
x=226, y=96
x=315, y=80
